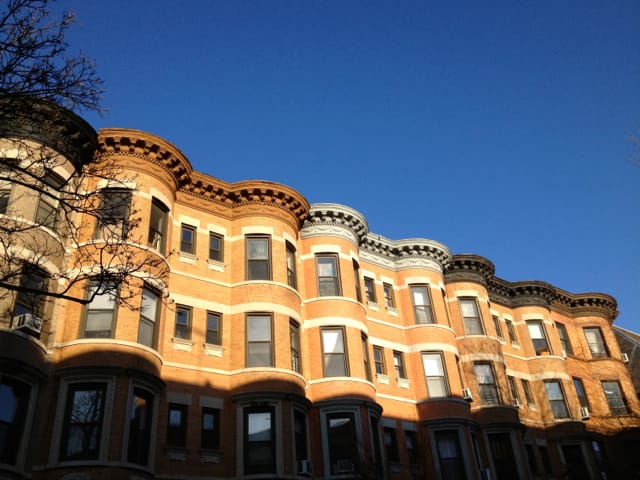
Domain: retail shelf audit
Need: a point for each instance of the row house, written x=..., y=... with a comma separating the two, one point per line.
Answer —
x=269, y=338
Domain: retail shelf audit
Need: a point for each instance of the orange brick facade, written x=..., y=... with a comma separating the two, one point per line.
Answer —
x=310, y=348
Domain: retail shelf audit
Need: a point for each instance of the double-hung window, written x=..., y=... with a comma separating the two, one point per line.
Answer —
x=538, y=337
x=258, y=257
x=259, y=340
x=342, y=439
x=210, y=429
x=378, y=360
x=486, y=383
x=30, y=298
x=496, y=325
x=512, y=332
x=140, y=418
x=365, y=356
x=391, y=444
x=421, y=304
x=292, y=280
x=188, y=239
x=48, y=203
x=435, y=374
x=596, y=342
x=528, y=395
x=294, y=339
x=148, y=317
x=82, y=423
x=615, y=399
x=580, y=392
x=564, y=339
x=157, y=237
x=113, y=215
x=513, y=389
x=14, y=402
x=398, y=364
x=259, y=440
x=471, y=316
x=177, y=425
x=334, y=353
x=183, y=322
x=370, y=289
x=389, y=300
x=556, y=399
x=215, y=247
x=328, y=275
x=212, y=335
x=100, y=316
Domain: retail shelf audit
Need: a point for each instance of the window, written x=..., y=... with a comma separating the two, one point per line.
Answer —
x=212, y=335
x=486, y=383
x=512, y=332
x=411, y=442
x=471, y=316
x=210, y=429
x=580, y=392
x=421, y=304
x=148, y=318
x=328, y=275
x=47, y=212
x=556, y=399
x=538, y=337
x=82, y=424
x=215, y=247
x=526, y=387
x=259, y=440
x=334, y=353
x=259, y=340
x=398, y=364
x=188, y=239
x=292, y=280
x=613, y=393
x=496, y=325
x=343, y=442
x=300, y=435
x=294, y=339
x=183, y=322
x=378, y=360
x=365, y=357
x=5, y=194
x=435, y=374
x=391, y=444
x=356, y=275
x=30, y=297
x=5, y=183
x=450, y=457
x=14, y=400
x=513, y=389
x=100, y=316
x=596, y=343
x=158, y=226
x=140, y=418
x=113, y=215
x=177, y=425
x=370, y=289
x=389, y=300
x=564, y=340
x=258, y=258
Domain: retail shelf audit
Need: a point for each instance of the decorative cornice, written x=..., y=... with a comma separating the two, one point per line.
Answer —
x=48, y=124
x=469, y=268
x=335, y=219
x=407, y=253
x=154, y=149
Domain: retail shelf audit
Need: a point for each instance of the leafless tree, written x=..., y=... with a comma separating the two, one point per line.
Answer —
x=66, y=219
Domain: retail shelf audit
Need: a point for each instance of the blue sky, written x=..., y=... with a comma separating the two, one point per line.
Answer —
x=496, y=128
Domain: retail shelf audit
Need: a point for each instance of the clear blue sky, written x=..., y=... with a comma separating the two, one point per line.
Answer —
x=496, y=128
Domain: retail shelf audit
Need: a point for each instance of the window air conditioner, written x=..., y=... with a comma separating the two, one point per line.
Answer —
x=305, y=467
x=624, y=357
x=584, y=412
x=344, y=466
x=467, y=395
x=515, y=402
x=28, y=323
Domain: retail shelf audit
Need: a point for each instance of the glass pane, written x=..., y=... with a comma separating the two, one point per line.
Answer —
x=258, y=249
x=259, y=354
x=553, y=390
x=328, y=287
x=105, y=301
x=99, y=324
x=420, y=296
x=334, y=366
x=332, y=341
x=326, y=266
x=258, y=270
x=259, y=329
x=436, y=387
x=259, y=427
x=432, y=365
x=145, y=333
x=149, y=304
x=483, y=373
x=535, y=330
x=469, y=308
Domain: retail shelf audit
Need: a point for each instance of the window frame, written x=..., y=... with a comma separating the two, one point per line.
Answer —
x=558, y=406
x=216, y=254
x=182, y=327
x=292, y=277
x=511, y=331
x=392, y=450
x=188, y=246
x=540, y=344
x=31, y=302
x=332, y=280
x=157, y=236
x=581, y=392
x=425, y=308
x=366, y=358
x=378, y=360
x=398, y=365
x=294, y=343
x=17, y=428
x=271, y=443
x=513, y=389
x=115, y=220
x=565, y=343
x=389, y=297
x=211, y=331
x=147, y=320
x=473, y=325
x=603, y=351
x=254, y=342
x=440, y=380
x=617, y=402
x=497, y=326
x=139, y=444
x=177, y=434
x=88, y=311
x=263, y=274
x=327, y=356
x=528, y=393
x=210, y=436
x=370, y=290
x=488, y=391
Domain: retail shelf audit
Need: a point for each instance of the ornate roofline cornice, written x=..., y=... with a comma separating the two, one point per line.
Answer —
x=151, y=148
x=335, y=219
x=408, y=253
x=48, y=124
x=467, y=267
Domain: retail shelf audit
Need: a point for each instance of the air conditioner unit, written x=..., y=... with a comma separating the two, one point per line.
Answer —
x=516, y=402
x=28, y=323
x=305, y=467
x=584, y=412
x=467, y=395
x=624, y=357
x=344, y=466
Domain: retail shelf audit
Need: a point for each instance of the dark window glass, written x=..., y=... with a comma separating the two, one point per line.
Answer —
x=259, y=352
x=188, y=239
x=421, y=304
x=450, y=455
x=82, y=424
x=210, y=434
x=291, y=266
x=391, y=444
x=389, y=299
x=496, y=325
x=158, y=226
x=398, y=364
x=294, y=339
x=356, y=275
x=580, y=392
x=183, y=322
x=213, y=329
x=513, y=389
x=30, y=297
x=370, y=289
x=511, y=331
x=411, y=441
x=259, y=439
x=141, y=416
x=113, y=216
x=556, y=399
x=343, y=442
x=14, y=399
x=215, y=247
x=177, y=425
x=47, y=212
x=378, y=359
x=365, y=356
x=328, y=280
x=300, y=435
x=564, y=340
x=526, y=387
x=258, y=258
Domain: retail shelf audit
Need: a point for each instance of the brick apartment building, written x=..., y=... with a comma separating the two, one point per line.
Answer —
x=289, y=341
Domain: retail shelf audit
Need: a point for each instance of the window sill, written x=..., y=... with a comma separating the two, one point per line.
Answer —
x=176, y=454
x=213, y=350
x=382, y=378
x=182, y=344
x=210, y=456
x=393, y=311
x=373, y=306
x=189, y=258
x=215, y=265
x=404, y=382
